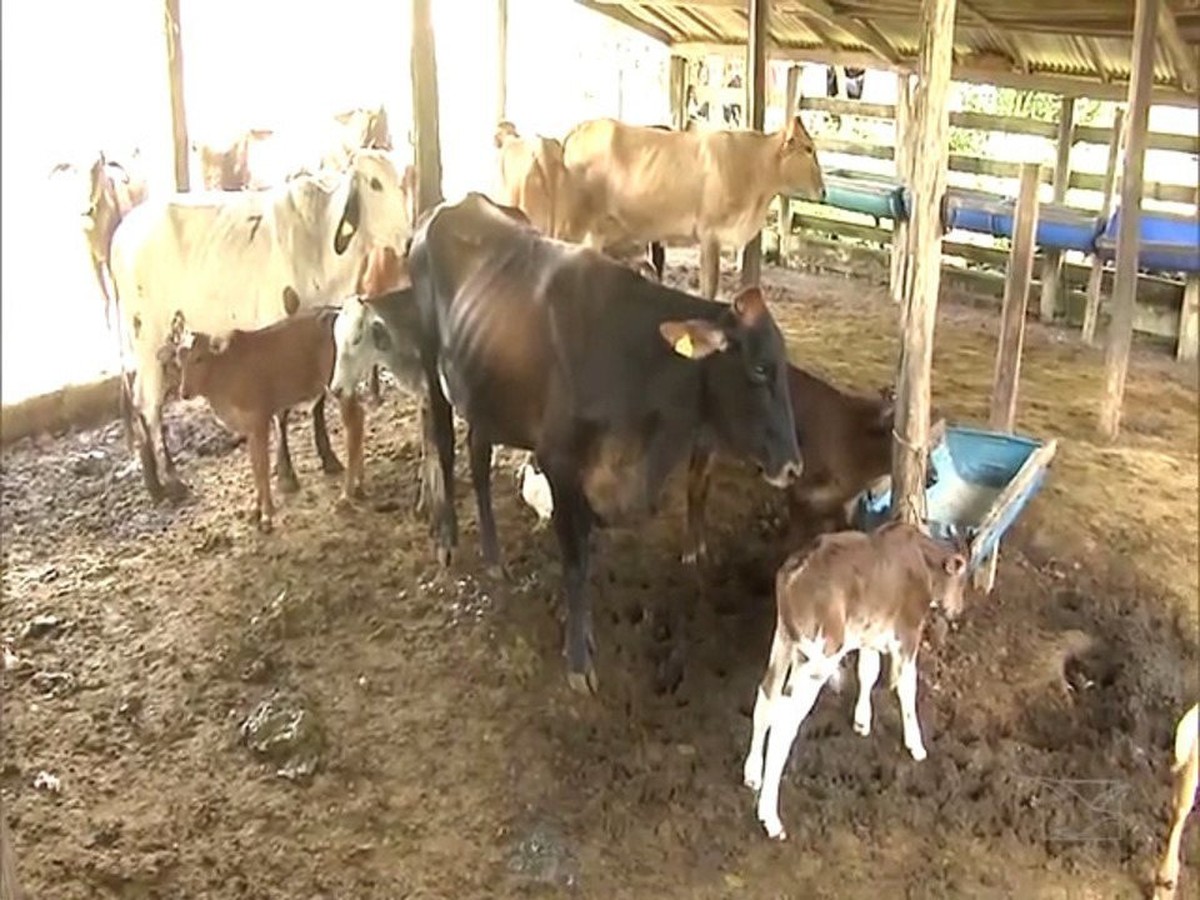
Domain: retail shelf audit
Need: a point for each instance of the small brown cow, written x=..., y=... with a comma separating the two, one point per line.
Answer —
x=853, y=591
x=249, y=377
x=846, y=439
x=1187, y=770
x=383, y=271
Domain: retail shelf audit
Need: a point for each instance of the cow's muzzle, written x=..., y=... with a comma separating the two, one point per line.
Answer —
x=785, y=476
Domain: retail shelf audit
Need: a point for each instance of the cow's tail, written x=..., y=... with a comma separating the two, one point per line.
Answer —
x=124, y=377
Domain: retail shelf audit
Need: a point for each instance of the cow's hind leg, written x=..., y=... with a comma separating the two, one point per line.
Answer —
x=906, y=691
x=480, y=450
x=658, y=258
x=284, y=471
x=352, y=422
x=572, y=518
x=150, y=391
x=263, y=511
x=439, y=438
x=801, y=692
x=330, y=464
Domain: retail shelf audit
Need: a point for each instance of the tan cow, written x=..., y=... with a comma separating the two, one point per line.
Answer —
x=532, y=178
x=1186, y=768
x=643, y=184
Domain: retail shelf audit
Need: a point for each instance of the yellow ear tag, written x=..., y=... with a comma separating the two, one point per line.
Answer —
x=347, y=228
x=684, y=347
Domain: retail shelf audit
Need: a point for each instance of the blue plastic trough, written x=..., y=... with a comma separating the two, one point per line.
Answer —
x=1168, y=243
x=1059, y=227
x=984, y=480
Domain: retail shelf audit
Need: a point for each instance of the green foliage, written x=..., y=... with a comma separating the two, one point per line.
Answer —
x=1001, y=101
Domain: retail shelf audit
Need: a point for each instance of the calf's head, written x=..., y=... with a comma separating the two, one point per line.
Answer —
x=745, y=383
x=378, y=202
x=799, y=171
x=947, y=564
x=362, y=339
x=195, y=354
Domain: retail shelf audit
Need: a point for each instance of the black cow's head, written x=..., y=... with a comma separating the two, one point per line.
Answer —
x=745, y=382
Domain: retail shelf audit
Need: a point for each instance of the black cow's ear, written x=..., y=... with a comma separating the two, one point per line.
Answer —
x=694, y=338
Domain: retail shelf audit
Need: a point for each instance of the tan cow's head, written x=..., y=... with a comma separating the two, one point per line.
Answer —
x=798, y=167
x=378, y=202
x=504, y=131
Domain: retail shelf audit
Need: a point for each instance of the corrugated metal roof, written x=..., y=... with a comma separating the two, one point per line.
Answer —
x=1083, y=39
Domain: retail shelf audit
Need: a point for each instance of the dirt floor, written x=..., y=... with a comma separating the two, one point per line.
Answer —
x=193, y=710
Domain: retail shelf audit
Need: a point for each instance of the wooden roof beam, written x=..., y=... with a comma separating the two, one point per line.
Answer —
x=867, y=35
x=997, y=35
x=1092, y=51
x=1182, y=56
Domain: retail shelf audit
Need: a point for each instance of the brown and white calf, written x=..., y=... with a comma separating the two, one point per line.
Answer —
x=853, y=591
x=383, y=271
x=250, y=376
x=1187, y=770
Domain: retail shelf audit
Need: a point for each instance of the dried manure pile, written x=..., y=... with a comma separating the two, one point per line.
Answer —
x=194, y=709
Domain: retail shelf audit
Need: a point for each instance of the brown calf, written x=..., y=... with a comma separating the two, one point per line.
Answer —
x=1187, y=770
x=853, y=591
x=250, y=376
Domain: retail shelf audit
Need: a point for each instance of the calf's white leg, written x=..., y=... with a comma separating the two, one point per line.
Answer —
x=788, y=714
x=868, y=674
x=764, y=708
x=906, y=690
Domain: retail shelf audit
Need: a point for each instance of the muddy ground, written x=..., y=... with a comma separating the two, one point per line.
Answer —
x=318, y=713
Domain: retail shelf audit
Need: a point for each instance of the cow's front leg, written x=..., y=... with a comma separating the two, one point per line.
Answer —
x=439, y=438
x=710, y=268
x=480, y=450
x=572, y=520
x=172, y=487
x=352, y=422
x=906, y=690
x=787, y=714
x=699, y=478
x=260, y=464
x=330, y=464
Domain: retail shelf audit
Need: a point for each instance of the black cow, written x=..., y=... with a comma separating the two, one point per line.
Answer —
x=611, y=380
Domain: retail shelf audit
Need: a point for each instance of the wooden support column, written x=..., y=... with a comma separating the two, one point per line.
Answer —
x=759, y=13
x=501, y=60
x=790, y=99
x=1091, y=311
x=1017, y=282
x=678, y=88
x=425, y=108
x=1052, y=264
x=1124, y=303
x=1186, y=349
x=179, y=132
x=910, y=448
x=901, y=266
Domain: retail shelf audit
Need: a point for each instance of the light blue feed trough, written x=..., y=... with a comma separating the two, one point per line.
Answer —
x=984, y=481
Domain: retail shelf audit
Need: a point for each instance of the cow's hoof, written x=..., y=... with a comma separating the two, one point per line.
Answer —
x=918, y=753
x=343, y=504
x=332, y=466
x=443, y=557
x=265, y=525
x=863, y=728
x=288, y=483
x=497, y=571
x=584, y=682
x=175, y=490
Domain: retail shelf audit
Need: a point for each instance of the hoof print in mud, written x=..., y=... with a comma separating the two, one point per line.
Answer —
x=283, y=732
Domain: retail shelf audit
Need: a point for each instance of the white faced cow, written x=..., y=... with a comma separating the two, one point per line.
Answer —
x=244, y=261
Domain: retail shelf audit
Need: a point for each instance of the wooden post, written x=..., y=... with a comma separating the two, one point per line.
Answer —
x=1186, y=350
x=10, y=888
x=1017, y=282
x=759, y=13
x=179, y=133
x=1052, y=264
x=930, y=156
x=1124, y=303
x=678, y=89
x=1091, y=311
x=425, y=108
x=901, y=267
x=501, y=60
x=790, y=98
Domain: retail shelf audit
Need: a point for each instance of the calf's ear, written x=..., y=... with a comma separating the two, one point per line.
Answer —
x=748, y=305
x=694, y=338
x=955, y=564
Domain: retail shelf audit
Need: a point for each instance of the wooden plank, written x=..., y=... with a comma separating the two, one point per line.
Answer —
x=759, y=13
x=1007, y=377
x=678, y=89
x=426, y=140
x=929, y=154
x=1182, y=56
x=501, y=60
x=10, y=885
x=901, y=267
x=179, y=130
x=1178, y=143
x=1186, y=349
x=1052, y=264
x=1120, y=331
x=1095, y=281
